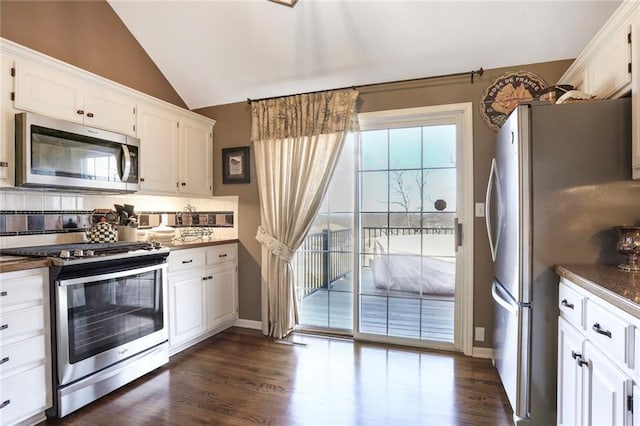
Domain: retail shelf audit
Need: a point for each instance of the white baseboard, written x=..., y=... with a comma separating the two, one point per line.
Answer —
x=254, y=325
x=482, y=353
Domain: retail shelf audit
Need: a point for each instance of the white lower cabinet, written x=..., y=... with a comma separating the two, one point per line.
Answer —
x=203, y=293
x=606, y=390
x=25, y=360
x=595, y=361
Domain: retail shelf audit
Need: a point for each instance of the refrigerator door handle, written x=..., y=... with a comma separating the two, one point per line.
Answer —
x=503, y=299
x=493, y=176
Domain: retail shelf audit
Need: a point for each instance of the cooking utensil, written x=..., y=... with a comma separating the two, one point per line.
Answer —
x=129, y=209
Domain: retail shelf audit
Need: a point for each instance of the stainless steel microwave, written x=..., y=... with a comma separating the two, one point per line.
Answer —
x=57, y=154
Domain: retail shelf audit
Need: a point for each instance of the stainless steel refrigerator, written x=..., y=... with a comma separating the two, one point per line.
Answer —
x=559, y=184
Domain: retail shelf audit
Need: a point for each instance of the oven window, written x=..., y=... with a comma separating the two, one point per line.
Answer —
x=106, y=314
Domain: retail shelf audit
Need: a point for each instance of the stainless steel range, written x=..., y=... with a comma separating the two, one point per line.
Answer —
x=109, y=316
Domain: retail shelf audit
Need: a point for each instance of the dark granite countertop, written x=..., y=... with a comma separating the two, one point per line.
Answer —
x=179, y=245
x=18, y=263
x=620, y=288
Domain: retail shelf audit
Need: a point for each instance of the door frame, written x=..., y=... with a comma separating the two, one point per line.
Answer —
x=462, y=115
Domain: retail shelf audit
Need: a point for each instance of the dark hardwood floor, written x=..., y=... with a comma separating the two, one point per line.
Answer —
x=239, y=377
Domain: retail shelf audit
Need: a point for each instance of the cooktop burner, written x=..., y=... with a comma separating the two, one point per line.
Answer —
x=62, y=254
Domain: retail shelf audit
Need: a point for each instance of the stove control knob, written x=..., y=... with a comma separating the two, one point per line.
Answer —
x=78, y=253
x=157, y=244
x=89, y=253
x=64, y=254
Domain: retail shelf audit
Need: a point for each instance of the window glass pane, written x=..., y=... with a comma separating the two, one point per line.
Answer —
x=404, y=317
x=374, y=150
x=438, y=221
x=340, y=309
x=439, y=184
x=373, y=314
x=404, y=190
x=374, y=194
x=439, y=146
x=404, y=148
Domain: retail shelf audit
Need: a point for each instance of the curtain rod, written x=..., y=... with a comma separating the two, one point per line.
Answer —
x=471, y=73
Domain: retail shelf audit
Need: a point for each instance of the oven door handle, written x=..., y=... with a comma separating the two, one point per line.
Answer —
x=111, y=275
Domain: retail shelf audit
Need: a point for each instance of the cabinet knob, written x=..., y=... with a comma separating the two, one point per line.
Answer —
x=90, y=114
x=4, y=326
x=5, y=403
x=582, y=362
x=575, y=355
x=4, y=360
x=3, y=293
x=141, y=179
x=4, y=164
x=183, y=184
x=80, y=112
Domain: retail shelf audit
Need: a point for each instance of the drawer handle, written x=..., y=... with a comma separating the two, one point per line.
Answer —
x=3, y=293
x=187, y=261
x=596, y=327
x=575, y=355
x=4, y=404
x=4, y=326
x=222, y=255
x=582, y=362
x=3, y=360
x=566, y=304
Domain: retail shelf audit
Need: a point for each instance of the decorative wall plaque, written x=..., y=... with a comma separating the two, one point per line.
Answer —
x=504, y=94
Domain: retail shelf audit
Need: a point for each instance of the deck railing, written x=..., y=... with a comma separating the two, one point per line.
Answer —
x=327, y=256
x=323, y=258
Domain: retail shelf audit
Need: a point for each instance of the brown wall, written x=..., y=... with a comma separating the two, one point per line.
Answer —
x=233, y=129
x=89, y=35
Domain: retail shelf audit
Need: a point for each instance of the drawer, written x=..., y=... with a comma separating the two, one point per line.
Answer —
x=21, y=353
x=21, y=289
x=221, y=253
x=184, y=259
x=23, y=395
x=17, y=323
x=571, y=304
x=609, y=332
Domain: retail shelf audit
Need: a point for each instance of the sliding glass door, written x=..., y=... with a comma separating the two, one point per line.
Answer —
x=385, y=259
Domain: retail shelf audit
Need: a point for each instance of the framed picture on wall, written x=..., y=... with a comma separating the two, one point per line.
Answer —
x=235, y=165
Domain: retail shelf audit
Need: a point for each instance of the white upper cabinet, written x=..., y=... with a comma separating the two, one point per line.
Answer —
x=610, y=65
x=158, y=133
x=604, y=68
x=48, y=91
x=176, y=144
x=196, y=157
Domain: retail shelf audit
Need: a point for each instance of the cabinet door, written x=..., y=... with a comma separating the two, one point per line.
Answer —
x=608, y=74
x=158, y=133
x=7, y=123
x=222, y=294
x=570, y=352
x=107, y=109
x=47, y=91
x=605, y=391
x=187, y=315
x=196, y=150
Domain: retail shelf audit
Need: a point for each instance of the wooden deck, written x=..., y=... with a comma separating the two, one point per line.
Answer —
x=396, y=313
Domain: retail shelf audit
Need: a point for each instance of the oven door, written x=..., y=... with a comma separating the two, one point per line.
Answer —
x=105, y=318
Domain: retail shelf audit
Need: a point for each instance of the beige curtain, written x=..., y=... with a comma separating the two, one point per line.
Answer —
x=297, y=141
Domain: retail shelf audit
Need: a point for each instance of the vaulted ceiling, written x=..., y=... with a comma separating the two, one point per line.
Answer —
x=223, y=51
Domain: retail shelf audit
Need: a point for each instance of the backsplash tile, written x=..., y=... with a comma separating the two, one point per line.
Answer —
x=29, y=217
x=35, y=222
